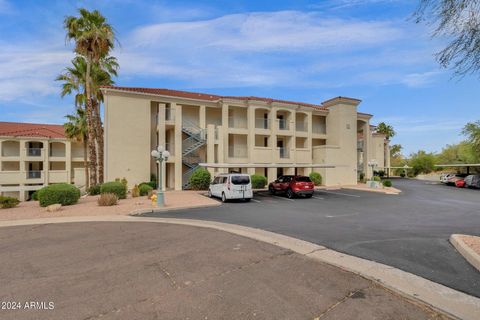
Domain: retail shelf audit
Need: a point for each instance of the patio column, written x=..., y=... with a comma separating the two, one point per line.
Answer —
x=178, y=146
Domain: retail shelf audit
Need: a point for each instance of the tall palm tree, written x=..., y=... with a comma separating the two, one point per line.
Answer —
x=74, y=80
x=76, y=130
x=94, y=38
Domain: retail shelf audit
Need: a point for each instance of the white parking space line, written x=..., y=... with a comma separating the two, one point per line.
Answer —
x=319, y=198
x=284, y=198
x=255, y=200
x=342, y=194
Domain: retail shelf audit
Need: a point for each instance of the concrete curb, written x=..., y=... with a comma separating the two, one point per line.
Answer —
x=467, y=252
x=441, y=298
x=153, y=209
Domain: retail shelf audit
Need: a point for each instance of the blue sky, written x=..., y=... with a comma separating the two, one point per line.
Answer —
x=296, y=50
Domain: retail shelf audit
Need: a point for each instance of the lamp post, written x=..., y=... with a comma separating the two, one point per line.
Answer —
x=160, y=155
x=405, y=168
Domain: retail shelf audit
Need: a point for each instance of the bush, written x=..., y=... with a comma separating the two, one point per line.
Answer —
x=387, y=183
x=200, y=179
x=381, y=173
x=94, y=190
x=144, y=189
x=362, y=176
x=376, y=178
x=35, y=196
x=402, y=174
x=8, y=202
x=107, y=199
x=152, y=184
x=258, y=181
x=114, y=187
x=62, y=193
x=135, y=191
x=316, y=178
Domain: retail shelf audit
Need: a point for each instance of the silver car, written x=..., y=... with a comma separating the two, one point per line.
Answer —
x=472, y=181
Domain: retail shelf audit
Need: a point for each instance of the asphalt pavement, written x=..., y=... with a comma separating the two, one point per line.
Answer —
x=409, y=231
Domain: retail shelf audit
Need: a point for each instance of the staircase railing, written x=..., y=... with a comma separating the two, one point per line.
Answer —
x=195, y=140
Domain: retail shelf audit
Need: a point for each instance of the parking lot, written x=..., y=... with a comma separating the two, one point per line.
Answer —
x=409, y=231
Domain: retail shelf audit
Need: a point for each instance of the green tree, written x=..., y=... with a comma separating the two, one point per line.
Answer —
x=76, y=130
x=396, y=150
x=422, y=162
x=472, y=132
x=94, y=39
x=459, y=21
x=386, y=129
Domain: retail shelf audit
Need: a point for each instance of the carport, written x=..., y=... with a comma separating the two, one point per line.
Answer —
x=459, y=165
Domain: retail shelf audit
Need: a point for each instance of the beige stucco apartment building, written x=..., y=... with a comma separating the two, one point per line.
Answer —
x=247, y=134
x=35, y=155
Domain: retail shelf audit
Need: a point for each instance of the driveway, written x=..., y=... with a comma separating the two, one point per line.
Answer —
x=118, y=270
x=409, y=231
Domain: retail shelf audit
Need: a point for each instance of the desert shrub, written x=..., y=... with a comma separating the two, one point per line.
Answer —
x=135, y=191
x=62, y=193
x=114, y=187
x=361, y=176
x=258, y=181
x=316, y=178
x=152, y=184
x=8, y=202
x=94, y=190
x=153, y=181
x=107, y=199
x=381, y=173
x=402, y=174
x=144, y=189
x=387, y=183
x=35, y=196
x=125, y=183
x=376, y=178
x=200, y=179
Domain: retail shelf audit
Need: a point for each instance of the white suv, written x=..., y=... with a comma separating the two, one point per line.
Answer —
x=231, y=186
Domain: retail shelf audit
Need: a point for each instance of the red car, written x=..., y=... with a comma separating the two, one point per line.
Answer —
x=292, y=186
x=460, y=183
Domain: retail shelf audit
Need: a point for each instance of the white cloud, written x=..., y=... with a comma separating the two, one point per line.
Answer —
x=268, y=31
x=420, y=79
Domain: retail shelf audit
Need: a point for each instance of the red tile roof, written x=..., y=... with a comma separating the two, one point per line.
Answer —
x=19, y=129
x=204, y=96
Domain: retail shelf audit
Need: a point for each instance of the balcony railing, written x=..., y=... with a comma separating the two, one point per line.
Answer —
x=34, y=152
x=360, y=145
x=237, y=122
x=262, y=123
x=169, y=114
x=238, y=151
x=301, y=126
x=283, y=152
x=319, y=129
x=34, y=174
x=282, y=124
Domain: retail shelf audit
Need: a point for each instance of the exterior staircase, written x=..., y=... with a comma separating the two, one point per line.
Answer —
x=196, y=138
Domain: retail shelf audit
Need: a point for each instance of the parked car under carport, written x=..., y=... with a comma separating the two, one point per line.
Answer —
x=472, y=181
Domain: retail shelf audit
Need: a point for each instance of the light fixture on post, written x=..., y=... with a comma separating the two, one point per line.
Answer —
x=160, y=155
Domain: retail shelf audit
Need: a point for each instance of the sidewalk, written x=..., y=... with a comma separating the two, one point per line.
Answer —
x=87, y=206
x=124, y=270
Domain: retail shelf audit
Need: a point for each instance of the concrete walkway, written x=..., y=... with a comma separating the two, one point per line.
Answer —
x=124, y=270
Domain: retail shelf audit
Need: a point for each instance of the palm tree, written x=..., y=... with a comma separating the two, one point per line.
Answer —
x=74, y=81
x=386, y=129
x=76, y=130
x=94, y=38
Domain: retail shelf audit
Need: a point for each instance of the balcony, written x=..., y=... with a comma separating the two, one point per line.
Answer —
x=169, y=115
x=237, y=122
x=282, y=124
x=262, y=123
x=34, y=152
x=238, y=151
x=301, y=126
x=283, y=153
x=58, y=176
x=34, y=174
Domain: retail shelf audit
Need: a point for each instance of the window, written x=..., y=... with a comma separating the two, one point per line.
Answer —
x=242, y=180
x=265, y=142
x=303, y=179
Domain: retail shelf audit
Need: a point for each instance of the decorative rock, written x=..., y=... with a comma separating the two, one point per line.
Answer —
x=54, y=207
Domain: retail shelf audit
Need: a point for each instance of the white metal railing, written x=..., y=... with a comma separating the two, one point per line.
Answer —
x=301, y=126
x=282, y=124
x=34, y=174
x=34, y=152
x=237, y=122
x=262, y=123
x=238, y=151
x=283, y=153
x=319, y=129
